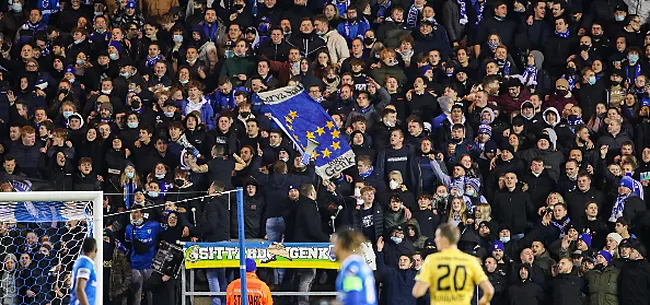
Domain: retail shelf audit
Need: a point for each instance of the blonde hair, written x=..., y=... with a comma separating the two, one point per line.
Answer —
x=486, y=212
x=463, y=210
x=124, y=180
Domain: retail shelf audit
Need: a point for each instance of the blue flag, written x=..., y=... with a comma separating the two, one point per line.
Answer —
x=311, y=129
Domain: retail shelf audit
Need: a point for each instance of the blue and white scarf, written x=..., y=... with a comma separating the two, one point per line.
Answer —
x=561, y=226
x=619, y=206
x=479, y=13
x=504, y=67
x=637, y=72
x=342, y=6
x=563, y=35
x=530, y=75
x=412, y=17
x=463, y=12
x=151, y=61
x=383, y=9
x=367, y=174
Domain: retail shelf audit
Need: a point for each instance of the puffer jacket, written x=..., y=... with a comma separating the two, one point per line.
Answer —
x=120, y=276
x=603, y=286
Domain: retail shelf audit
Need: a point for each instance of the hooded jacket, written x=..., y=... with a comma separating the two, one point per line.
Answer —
x=524, y=291
x=419, y=239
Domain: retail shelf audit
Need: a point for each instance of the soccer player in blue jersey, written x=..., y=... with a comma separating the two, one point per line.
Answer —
x=356, y=283
x=84, y=278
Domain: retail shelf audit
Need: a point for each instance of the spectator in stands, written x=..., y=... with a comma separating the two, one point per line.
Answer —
x=117, y=271
x=8, y=280
x=142, y=234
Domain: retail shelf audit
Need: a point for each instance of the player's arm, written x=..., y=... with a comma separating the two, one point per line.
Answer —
x=353, y=290
x=80, y=286
x=488, y=292
x=420, y=289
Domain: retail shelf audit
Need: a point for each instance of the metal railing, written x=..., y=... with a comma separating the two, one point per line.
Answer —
x=191, y=294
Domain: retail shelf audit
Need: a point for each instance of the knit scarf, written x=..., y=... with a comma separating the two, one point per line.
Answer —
x=462, y=6
x=129, y=189
x=504, y=65
x=342, y=6
x=561, y=225
x=383, y=8
x=151, y=61
x=619, y=206
x=632, y=77
x=563, y=35
x=530, y=75
x=412, y=17
x=479, y=13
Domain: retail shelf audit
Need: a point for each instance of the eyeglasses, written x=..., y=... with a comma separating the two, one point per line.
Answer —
x=133, y=29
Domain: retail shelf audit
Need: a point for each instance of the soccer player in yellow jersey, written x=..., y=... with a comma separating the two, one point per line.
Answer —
x=450, y=275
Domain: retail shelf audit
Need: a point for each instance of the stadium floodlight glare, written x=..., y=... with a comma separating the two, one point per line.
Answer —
x=78, y=205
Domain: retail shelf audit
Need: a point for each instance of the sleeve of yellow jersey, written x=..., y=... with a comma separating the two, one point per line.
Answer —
x=479, y=274
x=424, y=275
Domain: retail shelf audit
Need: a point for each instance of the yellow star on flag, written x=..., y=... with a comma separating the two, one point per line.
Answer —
x=295, y=136
x=303, y=147
x=290, y=127
x=326, y=153
x=314, y=154
x=293, y=114
x=335, y=134
x=289, y=120
x=336, y=145
x=330, y=125
x=320, y=131
x=310, y=135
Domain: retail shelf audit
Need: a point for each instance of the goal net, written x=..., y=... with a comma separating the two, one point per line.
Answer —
x=41, y=234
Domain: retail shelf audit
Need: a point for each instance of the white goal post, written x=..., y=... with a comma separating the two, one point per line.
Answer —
x=97, y=198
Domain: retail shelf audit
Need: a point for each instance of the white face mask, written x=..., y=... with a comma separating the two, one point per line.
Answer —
x=393, y=184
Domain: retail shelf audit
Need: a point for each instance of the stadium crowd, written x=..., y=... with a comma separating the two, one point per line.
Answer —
x=524, y=123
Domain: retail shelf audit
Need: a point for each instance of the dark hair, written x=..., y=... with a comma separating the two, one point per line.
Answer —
x=89, y=245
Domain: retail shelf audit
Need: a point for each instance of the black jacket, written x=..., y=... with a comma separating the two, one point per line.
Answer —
x=634, y=283
x=567, y=289
x=276, y=52
x=577, y=201
x=214, y=223
x=525, y=292
x=513, y=209
x=164, y=293
x=539, y=187
x=308, y=44
x=308, y=225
